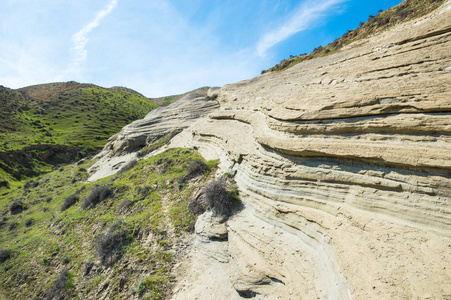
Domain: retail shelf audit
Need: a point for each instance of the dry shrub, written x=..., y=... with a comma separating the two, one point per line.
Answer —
x=127, y=166
x=196, y=168
x=110, y=243
x=97, y=195
x=58, y=291
x=69, y=201
x=217, y=197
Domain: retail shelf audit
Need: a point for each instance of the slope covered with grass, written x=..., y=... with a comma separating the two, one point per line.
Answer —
x=405, y=11
x=111, y=239
x=83, y=116
x=73, y=120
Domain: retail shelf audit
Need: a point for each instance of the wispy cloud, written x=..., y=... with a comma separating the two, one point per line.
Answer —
x=165, y=46
x=80, y=39
x=305, y=16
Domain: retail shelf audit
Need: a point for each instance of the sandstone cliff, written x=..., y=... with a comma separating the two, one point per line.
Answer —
x=344, y=168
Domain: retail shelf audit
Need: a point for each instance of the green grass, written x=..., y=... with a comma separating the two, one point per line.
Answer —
x=82, y=117
x=407, y=10
x=36, y=121
x=156, y=202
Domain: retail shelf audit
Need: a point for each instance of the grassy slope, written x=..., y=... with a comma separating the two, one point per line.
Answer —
x=84, y=116
x=81, y=116
x=155, y=219
x=407, y=10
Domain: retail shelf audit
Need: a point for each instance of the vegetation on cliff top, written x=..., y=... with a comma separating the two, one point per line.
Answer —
x=405, y=11
x=165, y=101
x=52, y=244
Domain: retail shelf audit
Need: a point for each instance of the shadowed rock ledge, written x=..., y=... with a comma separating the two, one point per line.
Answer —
x=344, y=168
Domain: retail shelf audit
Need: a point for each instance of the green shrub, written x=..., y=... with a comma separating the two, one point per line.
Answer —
x=212, y=97
x=154, y=284
x=3, y=221
x=17, y=207
x=30, y=184
x=4, y=255
x=141, y=288
x=4, y=183
x=12, y=226
x=29, y=222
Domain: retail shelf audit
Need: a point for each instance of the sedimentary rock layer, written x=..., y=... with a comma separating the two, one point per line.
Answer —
x=163, y=121
x=344, y=168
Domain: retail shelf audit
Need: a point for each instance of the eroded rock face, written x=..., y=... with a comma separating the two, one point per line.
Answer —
x=344, y=168
x=123, y=146
x=344, y=164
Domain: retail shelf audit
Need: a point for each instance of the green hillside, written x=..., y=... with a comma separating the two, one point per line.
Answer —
x=82, y=116
x=56, y=123
x=61, y=237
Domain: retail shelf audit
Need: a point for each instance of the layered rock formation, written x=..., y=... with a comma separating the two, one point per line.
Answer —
x=161, y=122
x=344, y=168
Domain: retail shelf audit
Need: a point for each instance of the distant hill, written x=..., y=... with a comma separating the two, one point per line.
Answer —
x=70, y=114
x=405, y=11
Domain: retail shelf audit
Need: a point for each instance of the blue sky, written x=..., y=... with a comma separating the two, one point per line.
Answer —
x=164, y=47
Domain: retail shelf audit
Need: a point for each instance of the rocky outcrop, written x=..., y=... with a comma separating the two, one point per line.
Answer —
x=344, y=168
x=163, y=121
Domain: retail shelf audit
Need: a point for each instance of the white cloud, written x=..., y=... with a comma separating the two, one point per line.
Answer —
x=25, y=64
x=155, y=47
x=306, y=14
x=172, y=55
x=80, y=40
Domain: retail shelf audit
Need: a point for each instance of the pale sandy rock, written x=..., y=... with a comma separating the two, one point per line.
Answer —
x=204, y=272
x=122, y=147
x=211, y=227
x=344, y=169
x=109, y=165
x=343, y=163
